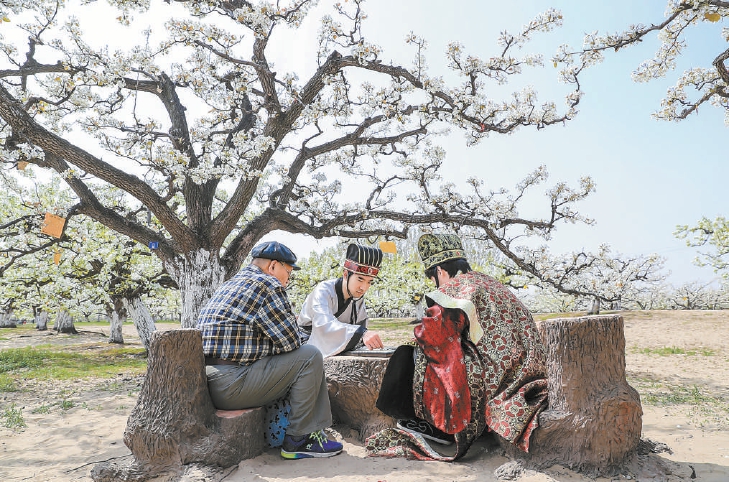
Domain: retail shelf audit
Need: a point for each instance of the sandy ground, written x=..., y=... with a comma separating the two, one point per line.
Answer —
x=685, y=400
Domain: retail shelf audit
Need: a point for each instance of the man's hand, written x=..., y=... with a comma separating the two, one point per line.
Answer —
x=372, y=340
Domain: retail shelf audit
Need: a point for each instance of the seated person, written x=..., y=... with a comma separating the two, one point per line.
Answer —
x=334, y=314
x=254, y=356
x=478, y=364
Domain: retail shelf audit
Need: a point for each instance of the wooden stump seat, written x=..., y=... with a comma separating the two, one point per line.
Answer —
x=175, y=424
x=354, y=383
x=594, y=419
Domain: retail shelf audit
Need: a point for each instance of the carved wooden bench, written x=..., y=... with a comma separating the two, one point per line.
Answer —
x=592, y=425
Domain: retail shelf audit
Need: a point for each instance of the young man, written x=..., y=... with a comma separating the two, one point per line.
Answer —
x=254, y=354
x=479, y=363
x=334, y=314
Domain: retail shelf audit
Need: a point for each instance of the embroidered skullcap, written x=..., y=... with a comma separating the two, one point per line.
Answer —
x=437, y=248
x=275, y=250
x=363, y=260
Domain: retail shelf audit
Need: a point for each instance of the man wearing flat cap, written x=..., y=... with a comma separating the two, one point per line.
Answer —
x=478, y=364
x=334, y=314
x=254, y=355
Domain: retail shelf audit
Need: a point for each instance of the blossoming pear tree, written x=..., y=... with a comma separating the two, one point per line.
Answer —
x=706, y=85
x=713, y=237
x=83, y=269
x=198, y=99
x=700, y=85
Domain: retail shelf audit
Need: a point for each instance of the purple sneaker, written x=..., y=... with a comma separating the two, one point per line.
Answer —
x=316, y=444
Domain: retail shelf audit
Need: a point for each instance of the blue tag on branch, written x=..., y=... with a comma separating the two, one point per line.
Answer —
x=153, y=244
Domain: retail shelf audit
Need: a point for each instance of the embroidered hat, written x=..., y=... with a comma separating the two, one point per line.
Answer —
x=275, y=250
x=437, y=248
x=363, y=260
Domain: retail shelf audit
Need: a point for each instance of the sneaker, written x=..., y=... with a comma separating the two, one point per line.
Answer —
x=316, y=444
x=427, y=430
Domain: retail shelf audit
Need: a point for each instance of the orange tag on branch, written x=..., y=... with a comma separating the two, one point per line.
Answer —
x=57, y=258
x=53, y=225
x=388, y=247
x=22, y=165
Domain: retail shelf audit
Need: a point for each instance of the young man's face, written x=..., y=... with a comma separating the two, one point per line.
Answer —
x=357, y=284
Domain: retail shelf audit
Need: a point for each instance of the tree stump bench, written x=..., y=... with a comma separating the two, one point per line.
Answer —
x=592, y=425
x=594, y=419
x=354, y=383
x=175, y=424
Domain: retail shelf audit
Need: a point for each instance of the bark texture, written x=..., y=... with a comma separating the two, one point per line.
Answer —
x=143, y=321
x=354, y=383
x=41, y=320
x=174, y=423
x=6, y=320
x=64, y=323
x=594, y=420
x=116, y=320
x=197, y=276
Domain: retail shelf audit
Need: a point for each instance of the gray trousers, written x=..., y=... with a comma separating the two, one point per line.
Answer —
x=297, y=376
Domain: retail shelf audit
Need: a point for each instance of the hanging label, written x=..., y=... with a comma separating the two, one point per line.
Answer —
x=388, y=247
x=53, y=225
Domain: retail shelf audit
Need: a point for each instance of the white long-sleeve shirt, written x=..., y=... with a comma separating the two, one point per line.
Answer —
x=335, y=323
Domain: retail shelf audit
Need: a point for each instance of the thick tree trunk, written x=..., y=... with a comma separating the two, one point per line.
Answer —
x=594, y=420
x=64, y=323
x=41, y=320
x=175, y=424
x=5, y=320
x=420, y=309
x=197, y=278
x=594, y=307
x=354, y=383
x=116, y=319
x=143, y=321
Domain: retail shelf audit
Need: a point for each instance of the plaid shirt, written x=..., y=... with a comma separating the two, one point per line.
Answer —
x=248, y=317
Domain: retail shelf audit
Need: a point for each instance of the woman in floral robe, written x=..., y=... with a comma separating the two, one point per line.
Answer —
x=478, y=362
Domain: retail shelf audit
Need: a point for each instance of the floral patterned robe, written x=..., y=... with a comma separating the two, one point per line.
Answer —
x=479, y=365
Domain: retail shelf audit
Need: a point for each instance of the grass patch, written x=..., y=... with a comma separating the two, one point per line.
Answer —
x=673, y=350
x=12, y=417
x=43, y=409
x=48, y=362
x=702, y=407
x=7, y=384
x=393, y=331
x=390, y=324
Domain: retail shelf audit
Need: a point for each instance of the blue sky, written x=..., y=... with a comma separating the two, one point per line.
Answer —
x=651, y=175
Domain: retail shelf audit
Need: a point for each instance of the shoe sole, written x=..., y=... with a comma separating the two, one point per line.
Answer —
x=308, y=455
x=429, y=437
